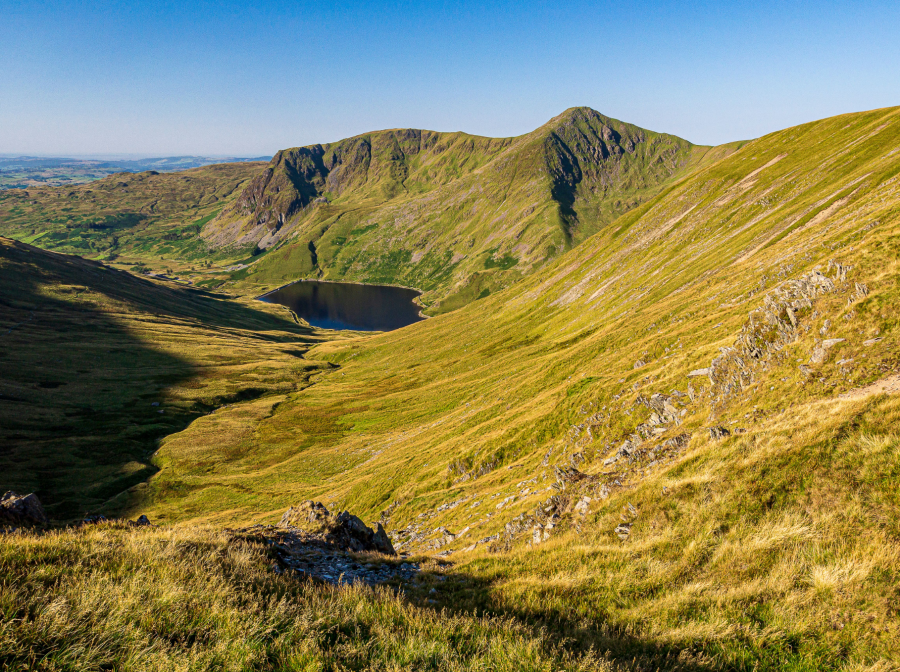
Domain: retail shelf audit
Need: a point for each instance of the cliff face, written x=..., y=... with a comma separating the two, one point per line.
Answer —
x=453, y=214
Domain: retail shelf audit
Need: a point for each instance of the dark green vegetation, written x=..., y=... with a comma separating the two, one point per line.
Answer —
x=25, y=172
x=456, y=215
x=755, y=294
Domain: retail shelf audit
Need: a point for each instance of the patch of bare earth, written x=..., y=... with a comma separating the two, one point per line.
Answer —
x=887, y=385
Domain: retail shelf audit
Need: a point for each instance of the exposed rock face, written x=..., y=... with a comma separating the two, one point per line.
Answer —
x=820, y=352
x=312, y=516
x=771, y=327
x=343, y=530
x=21, y=510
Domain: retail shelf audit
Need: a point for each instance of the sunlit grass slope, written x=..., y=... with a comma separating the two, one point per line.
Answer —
x=774, y=547
x=96, y=365
x=456, y=215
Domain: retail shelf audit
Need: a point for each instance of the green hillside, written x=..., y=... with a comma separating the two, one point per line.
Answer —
x=146, y=219
x=672, y=446
x=456, y=215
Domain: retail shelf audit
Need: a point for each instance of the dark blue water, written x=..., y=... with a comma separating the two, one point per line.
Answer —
x=339, y=305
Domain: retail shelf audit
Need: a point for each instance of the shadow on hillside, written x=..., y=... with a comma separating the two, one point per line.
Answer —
x=81, y=404
x=464, y=595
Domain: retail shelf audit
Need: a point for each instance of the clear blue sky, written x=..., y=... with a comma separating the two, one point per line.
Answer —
x=248, y=78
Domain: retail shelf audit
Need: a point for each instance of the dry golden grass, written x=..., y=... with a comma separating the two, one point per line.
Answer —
x=109, y=597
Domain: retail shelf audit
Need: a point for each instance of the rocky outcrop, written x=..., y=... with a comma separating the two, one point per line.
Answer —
x=344, y=530
x=772, y=326
x=22, y=510
x=314, y=557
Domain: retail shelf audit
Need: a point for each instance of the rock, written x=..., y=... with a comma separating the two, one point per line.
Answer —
x=382, y=542
x=572, y=475
x=872, y=341
x=345, y=531
x=22, y=510
x=583, y=505
x=820, y=352
x=623, y=530
x=624, y=451
x=698, y=372
x=142, y=521
x=94, y=520
x=718, y=432
x=638, y=364
x=307, y=515
x=353, y=524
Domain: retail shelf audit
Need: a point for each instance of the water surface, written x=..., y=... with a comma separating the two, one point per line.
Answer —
x=342, y=305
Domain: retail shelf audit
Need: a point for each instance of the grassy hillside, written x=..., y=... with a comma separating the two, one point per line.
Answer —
x=674, y=447
x=753, y=296
x=146, y=219
x=96, y=365
x=456, y=215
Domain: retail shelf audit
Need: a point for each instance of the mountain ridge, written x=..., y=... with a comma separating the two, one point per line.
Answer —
x=456, y=215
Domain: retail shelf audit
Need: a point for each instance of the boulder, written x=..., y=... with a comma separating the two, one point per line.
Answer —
x=382, y=542
x=718, y=432
x=21, y=510
x=307, y=516
x=344, y=530
x=820, y=352
x=142, y=521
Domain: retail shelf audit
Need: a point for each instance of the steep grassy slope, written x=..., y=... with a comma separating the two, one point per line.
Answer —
x=458, y=216
x=130, y=218
x=97, y=365
x=752, y=296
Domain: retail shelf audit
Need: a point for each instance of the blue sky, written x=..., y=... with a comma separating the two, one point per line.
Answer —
x=227, y=78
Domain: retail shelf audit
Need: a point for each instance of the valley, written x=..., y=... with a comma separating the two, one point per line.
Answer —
x=647, y=425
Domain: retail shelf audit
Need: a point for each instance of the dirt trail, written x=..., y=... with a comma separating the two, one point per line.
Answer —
x=887, y=385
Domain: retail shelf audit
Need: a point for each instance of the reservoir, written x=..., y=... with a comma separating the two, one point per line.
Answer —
x=343, y=305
